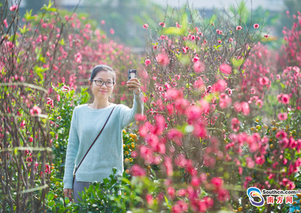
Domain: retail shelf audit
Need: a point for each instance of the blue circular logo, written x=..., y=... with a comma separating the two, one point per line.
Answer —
x=255, y=192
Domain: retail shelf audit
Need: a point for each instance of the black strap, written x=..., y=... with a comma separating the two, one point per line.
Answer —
x=93, y=142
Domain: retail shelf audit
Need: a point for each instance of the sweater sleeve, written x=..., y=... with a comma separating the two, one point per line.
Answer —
x=72, y=149
x=128, y=114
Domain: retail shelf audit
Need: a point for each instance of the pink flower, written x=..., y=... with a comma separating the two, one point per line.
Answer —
x=171, y=191
x=149, y=199
x=112, y=31
x=217, y=183
x=29, y=159
x=178, y=26
x=175, y=135
x=266, y=36
x=140, y=117
x=199, y=66
x=163, y=59
x=223, y=195
x=195, y=59
x=35, y=110
x=168, y=166
x=78, y=57
x=245, y=108
x=13, y=8
x=256, y=26
x=285, y=99
x=230, y=39
x=193, y=113
x=282, y=116
x=264, y=80
x=147, y=62
x=235, y=124
x=145, y=26
x=162, y=24
x=219, y=86
x=225, y=68
x=260, y=160
x=103, y=22
x=5, y=23
x=136, y=170
x=238, y=28
x=237, y=106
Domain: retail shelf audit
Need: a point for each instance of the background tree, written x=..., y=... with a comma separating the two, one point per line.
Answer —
x=125, y=17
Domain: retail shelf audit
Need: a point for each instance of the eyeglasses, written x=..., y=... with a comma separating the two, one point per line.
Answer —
x=100, y=83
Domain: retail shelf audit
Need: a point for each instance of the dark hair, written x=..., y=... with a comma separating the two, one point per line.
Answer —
x=99, y=68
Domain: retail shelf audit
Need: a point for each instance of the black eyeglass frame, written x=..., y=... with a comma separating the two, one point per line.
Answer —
x=103, y=82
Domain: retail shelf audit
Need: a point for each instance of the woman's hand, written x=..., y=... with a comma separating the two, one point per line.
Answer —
x=68, y=193
x=134, y=84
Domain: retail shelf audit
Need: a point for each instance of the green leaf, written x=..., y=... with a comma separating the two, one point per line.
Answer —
x=67, y=200
x=23, y=30
x=62, y=42
x=28, y=16
x=213, y=18
x=237, y=62
x=173, y=31
x=50, y=196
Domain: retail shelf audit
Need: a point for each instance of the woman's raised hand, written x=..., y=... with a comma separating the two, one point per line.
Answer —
x=134, y=84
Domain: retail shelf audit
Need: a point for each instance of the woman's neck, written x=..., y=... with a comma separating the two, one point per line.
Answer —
x=99, y=104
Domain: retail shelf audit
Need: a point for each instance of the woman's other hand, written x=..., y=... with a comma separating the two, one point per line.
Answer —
x=134, y=84
x=68, y=193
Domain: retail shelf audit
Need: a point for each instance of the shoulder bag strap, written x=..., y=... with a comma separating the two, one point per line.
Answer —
x=93, y=142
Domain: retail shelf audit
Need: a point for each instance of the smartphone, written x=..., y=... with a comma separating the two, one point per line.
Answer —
x=132, y=74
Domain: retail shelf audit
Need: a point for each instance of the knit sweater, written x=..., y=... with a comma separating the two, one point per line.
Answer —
x=107, y=151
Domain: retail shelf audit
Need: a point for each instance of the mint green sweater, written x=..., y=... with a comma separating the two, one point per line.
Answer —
x=107, y=152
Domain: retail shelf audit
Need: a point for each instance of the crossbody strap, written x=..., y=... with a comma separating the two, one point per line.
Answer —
x=93, y=141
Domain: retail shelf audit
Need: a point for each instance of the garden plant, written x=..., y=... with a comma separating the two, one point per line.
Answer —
x=222, y=112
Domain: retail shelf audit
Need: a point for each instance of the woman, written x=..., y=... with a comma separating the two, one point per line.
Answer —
x=87, y=121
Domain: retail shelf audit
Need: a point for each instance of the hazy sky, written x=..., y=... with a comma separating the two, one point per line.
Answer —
x=209, y=4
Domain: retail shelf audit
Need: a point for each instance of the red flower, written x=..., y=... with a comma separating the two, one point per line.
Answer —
x=145, y=26
x=162, y=24
x=245, y=108
x=175, y=135
x=266, y=36
x=163, y=59
x=112, y=31
x=195, y=59
x=136, y=170
x=199, y=66
x=219, y=86
x=235, y=124
x=78, y=57
x=256, y=26
x=35, y=110
x=149, y=199
x=193, y=112
x=13, y=8
x=147, y=62
x=285, y=99
x=217, y=183
x=140, y=117
x=5, y=23
x=282, y=116
x=178, y=26
x=223, y=195
x=225, y=68
x=238, y=28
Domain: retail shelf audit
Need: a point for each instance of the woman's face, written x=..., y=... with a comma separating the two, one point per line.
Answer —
x=102, y=92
